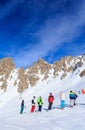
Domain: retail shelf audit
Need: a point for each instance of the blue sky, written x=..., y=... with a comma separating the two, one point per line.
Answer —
x=48, y=29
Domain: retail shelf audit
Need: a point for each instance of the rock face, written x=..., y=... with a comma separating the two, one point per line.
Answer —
x=62, y=65
x=23, y=78
x=82, y=73
x=6, y=66
x=40, y=71
x=40, y=67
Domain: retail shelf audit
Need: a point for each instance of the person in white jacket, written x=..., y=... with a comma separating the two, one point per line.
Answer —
x=62, y=100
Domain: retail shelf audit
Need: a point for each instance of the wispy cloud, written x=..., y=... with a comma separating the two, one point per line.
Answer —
x=53, y=33
x=57, y=29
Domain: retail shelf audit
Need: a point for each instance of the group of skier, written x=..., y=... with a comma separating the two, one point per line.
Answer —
x=40, y=103
x=72, y=96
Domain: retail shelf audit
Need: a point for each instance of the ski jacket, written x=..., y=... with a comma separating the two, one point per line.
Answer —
x=51, y=98
x=33, y=102
x=75, y=96
x=39, y=101
x=72, y=95
x=62, y=96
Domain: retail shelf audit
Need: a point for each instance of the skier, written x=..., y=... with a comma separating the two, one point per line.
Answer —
x=72, y=98
x=50, y=101
x=33, y=104
x=62, y=98
x=22, y=107
x=40, y=103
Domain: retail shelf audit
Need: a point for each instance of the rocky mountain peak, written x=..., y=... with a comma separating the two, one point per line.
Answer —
x=40, y=71
x=6, y=66
x=41, y=61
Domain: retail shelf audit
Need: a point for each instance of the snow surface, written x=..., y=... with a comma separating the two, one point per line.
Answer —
x=55, y=119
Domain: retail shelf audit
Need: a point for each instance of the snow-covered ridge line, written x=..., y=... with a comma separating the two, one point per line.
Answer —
x=21, y=80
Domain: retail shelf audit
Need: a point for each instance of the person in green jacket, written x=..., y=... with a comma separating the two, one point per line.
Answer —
x=40, y=103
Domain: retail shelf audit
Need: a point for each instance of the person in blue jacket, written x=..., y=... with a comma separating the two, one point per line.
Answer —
x=72, y=98
x=22, y=107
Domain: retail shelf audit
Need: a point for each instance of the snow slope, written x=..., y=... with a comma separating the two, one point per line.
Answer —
x=56, y=119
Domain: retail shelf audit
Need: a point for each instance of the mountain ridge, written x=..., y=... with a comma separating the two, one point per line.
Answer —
x=40, y=71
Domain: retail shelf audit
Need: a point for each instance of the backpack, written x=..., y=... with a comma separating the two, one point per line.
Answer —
x=76, y=96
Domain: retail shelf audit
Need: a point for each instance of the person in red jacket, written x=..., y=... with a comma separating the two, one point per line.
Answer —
x=50, y=101
x=33, y=105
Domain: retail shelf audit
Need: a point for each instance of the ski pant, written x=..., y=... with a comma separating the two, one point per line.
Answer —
x=22, y=108
x=39, y=108
x=33, y=108
x=62, y=104
x=72, y=102
x=50, y=105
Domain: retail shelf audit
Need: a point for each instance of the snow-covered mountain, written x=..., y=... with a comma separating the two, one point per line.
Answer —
x=39, y=80
x=21, y=79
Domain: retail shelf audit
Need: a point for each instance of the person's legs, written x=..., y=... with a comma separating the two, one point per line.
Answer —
x=40, y=107
x=50, y=106
x=21, y=111
x=72, y=102
x=33, y=109
x=62, y=104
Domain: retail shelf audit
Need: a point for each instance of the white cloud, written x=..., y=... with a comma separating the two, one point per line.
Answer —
x=51, y=36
